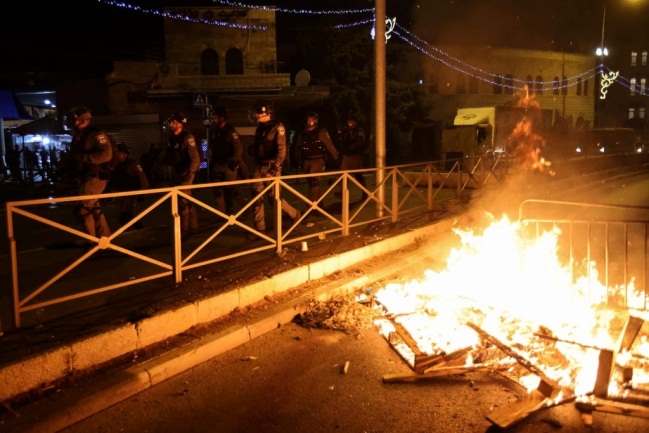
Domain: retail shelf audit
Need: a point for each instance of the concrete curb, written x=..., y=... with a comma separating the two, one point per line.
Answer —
x=41, y=370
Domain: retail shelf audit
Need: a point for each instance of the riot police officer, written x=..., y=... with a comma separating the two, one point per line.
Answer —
x=269, y=150
x=352, y=139
x=186, y=161
x=226, y=160
x=313, y=144
x=90, y=150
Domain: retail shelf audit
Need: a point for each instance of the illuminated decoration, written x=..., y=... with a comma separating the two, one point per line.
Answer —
x=294, y=11
x=182, y=17
x=607, y=80
x=390, y=23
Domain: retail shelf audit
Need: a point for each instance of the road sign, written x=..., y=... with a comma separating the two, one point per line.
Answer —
x=207, y=111
x=199, y=99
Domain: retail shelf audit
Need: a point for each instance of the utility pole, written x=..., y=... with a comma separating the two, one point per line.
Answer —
x=379, y=100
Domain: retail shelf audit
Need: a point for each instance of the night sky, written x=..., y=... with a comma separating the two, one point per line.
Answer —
x=86, y=35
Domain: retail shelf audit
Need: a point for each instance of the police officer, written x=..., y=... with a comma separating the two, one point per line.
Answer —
x=269, y=150
x=128, y=175
x=352, y=140
x=90, y=150
x=186, y=161
x=313, y=144
x=226, y=160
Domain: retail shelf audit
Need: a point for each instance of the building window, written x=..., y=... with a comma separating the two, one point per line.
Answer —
x=578, y=86
x=460, y=83
x=643, y=85
x=433, y=84
x=209, y=62
x=564, y=86
x=643, y=58
x=509, y=84
x=529, y=84
x=641, y=113
x=634, y=58
x=473, y=85
x=234, y=62
x=632, y=86
x=555, y=86
x=585, y=87
x=539, y=85
x=631, y=113
x=498, y=85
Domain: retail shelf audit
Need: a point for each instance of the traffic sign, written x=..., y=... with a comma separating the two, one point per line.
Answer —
x=199, y=99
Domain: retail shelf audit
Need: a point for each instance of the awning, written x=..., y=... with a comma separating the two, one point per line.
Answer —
x=11, y=108
x=475, y=116
x=44, y=126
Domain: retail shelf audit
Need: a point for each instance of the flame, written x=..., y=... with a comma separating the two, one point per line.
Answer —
x=511, y=285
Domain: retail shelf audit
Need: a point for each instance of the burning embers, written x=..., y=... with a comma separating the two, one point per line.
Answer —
x=504, y=303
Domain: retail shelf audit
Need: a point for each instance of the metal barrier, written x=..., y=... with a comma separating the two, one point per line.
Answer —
x=598, y=241
x=41, y=278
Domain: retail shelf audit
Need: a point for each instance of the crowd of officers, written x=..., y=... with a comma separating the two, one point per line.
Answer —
x=101, y=166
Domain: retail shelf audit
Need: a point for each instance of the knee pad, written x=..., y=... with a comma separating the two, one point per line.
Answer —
x=96, y=211
x=183, y=203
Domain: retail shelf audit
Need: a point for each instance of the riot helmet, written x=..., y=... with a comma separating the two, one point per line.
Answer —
x=260, y=109
x=312, y=119
x=178, y=117
x=220, y=112
x=75, y=113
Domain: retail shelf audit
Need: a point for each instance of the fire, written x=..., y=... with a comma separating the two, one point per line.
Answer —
x=513, y=286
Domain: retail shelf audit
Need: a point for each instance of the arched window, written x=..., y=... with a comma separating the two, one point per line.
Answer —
x=585, y=87
x=473, y=85
x=509, y=84
x=209, y=62
x=555, y=86
x=460, y=84
x=538, y=85
x=234, y=62
x=530, y=84
x=578, y=86
x=498, y=85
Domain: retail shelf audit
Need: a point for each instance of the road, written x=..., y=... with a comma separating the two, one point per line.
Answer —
x=292, y=380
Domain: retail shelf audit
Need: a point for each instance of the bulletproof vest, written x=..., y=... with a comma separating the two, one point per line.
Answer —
x=311, y=146
x=266, y=141
x=179, y=155
x=222, y=144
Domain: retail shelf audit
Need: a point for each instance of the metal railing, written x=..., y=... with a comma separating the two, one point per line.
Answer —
x=43, y=277
x=606, y=244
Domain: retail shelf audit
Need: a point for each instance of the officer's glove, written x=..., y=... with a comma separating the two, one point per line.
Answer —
x=273, y=171
x=233, y=166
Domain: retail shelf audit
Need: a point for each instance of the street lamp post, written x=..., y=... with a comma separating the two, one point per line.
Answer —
x=601, y=52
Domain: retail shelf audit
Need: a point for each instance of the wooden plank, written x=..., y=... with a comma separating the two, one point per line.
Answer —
x=510, y=414
x=614, y=407
x=605, y=367
x=438, y=372
x=548, y=383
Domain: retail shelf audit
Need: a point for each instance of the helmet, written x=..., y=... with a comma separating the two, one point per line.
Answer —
x=312, y=119
x=261, y=108
x=220, y=112
x=352, y=118
x=178, y=117
x=76, y=113
x=123, y=148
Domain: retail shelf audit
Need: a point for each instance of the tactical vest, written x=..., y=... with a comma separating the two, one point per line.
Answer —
x=266, y=141
x=222, y=144
x=311, y=146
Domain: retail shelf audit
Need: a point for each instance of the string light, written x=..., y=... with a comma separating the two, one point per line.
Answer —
x=479, y=74
x=295, y=11
x=181, y=17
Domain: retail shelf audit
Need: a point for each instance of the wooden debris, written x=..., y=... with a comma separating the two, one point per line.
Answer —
x=438, y=372
x=345, y=368
x=508, y=415
x=615, y=407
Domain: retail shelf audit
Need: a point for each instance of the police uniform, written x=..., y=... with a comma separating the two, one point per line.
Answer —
x=226, y=164
x=128, y=175
x=312, y=146
x=186, y=161
x=270, y=152
x=89, y=149
x=353, y=143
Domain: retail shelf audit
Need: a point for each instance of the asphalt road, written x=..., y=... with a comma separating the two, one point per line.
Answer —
x=293, y=380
